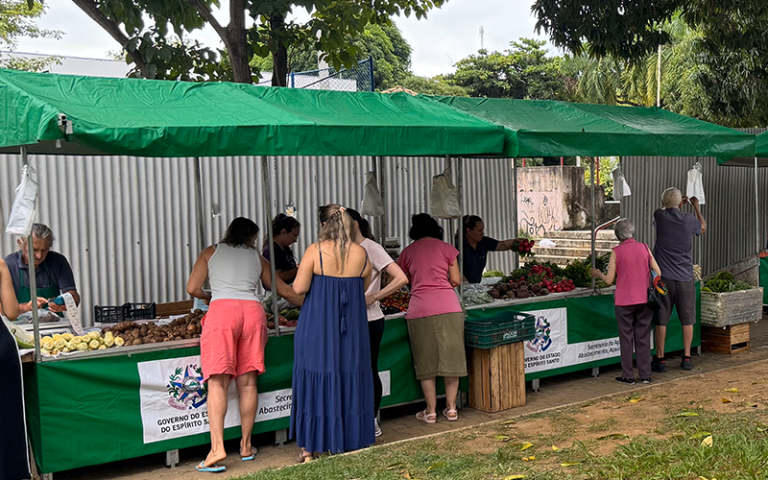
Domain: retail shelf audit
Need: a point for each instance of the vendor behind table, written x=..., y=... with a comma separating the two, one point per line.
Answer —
x=286, y=232
x=476, y=247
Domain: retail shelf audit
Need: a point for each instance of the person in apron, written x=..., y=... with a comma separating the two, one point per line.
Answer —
x=14, y=455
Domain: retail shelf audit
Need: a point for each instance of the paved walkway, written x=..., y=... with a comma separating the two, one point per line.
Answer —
x=398, y=424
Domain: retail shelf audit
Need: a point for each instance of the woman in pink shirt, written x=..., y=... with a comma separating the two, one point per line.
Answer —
x=630, y=265
x=435, y=319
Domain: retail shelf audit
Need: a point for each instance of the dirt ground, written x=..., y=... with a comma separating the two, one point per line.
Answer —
x=567, y=408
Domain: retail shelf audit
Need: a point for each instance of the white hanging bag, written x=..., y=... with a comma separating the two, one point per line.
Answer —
x=23, y=211
x=372, y=205
x=444, y=201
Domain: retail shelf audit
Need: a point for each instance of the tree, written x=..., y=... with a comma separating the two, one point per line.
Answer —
x=17, y=19
x=523, y=71
x=155, y=49
x=437, y=85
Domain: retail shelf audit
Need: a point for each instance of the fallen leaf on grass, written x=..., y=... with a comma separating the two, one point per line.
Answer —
x=554, y=448
x=635, y=400
x=687, y=414
x=732, y=390
x=508, y=422
x=662, y=396
x=707, y=442
x=569, y=464
x=614, y=435
x=585, y=405
x=437, y=465
x=514, y=477
x=727, y=400
x=699, y=435
x=395, y=466
x=503, y=438
x=753, y=405
x=761, y=427
x=525, y=446
x=529, y=459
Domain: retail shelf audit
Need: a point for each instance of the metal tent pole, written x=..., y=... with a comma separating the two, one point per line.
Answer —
x=270, y=238
x=757, y=209
x=382, y=190
x=515, y=224
x=592, y=180
x=460, y=186
x=32, y=274
x=698, y=240
x=199, y=205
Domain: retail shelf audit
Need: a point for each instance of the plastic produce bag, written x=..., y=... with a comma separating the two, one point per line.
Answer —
x=695, y=187
x=475, y=294
x=23, y=210
x=372, y=202
x=620, y=186
x=444, y=201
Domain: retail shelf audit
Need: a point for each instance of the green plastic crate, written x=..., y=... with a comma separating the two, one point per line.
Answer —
x=507, y=327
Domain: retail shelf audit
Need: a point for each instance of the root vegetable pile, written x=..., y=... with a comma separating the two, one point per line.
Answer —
x=133, y=333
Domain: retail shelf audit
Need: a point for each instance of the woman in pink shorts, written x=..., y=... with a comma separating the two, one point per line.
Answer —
x=234, y=330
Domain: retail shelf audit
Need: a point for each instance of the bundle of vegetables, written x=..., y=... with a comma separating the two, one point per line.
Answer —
x=66, y=342
x=476, y=295
x=724, y=282
x=580, y=273
x=601, y=262
x=493, y=273
x=523, y=247
x=396, y=303
x=286, y=318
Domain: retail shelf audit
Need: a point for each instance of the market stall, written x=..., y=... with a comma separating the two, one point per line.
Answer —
x=146, y=397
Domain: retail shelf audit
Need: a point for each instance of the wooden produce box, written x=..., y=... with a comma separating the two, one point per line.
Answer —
x=497, y=377
x=174, y=308
x=729, y=340
x=731, y=308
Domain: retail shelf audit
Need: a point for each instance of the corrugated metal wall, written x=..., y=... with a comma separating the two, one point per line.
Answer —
x=128, y=224
x=729, y=209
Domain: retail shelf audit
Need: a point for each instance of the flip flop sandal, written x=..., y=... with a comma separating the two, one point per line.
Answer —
x=306, y=457
x=215, y=468
x=451, y=415
x=428, y=418
x=251, y=456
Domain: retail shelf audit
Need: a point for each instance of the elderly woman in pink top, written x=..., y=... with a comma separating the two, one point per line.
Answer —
x=435, y=319
x=630, y=265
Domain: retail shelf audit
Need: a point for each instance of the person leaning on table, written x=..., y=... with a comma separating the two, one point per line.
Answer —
x=14, y=459
x=630, y=266
x=52, y=271
x=477, y=246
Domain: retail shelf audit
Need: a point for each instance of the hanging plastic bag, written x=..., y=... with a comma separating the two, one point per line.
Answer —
x=695, y=186
x=620, y=186
x=23, y=211
x=444, y=201
x=372, y=205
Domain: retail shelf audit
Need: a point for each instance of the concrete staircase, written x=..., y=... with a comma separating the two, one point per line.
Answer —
x=573, y=245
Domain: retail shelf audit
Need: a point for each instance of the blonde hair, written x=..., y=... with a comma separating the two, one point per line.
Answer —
x=338, y=227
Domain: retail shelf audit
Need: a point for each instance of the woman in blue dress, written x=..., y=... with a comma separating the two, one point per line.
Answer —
x=332, y=380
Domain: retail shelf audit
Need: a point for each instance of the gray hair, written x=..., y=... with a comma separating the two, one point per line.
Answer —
x=624, y=229
x=41, y=231
x=671, y=198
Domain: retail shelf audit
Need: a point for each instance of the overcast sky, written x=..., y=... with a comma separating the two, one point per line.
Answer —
x=448, y=35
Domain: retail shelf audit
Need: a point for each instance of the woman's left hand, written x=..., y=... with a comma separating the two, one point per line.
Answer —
x=597, y=273
x=370, y=299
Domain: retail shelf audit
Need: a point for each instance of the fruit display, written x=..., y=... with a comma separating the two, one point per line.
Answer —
x=396, y=303
x=66, y=343
x=532, y=280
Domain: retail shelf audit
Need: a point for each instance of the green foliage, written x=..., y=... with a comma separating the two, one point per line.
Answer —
x=725, y=282
x=580, y=272
x=17, y=19
x=523, y=71
x=437, y=85
x=390, y=51
x=603, y=172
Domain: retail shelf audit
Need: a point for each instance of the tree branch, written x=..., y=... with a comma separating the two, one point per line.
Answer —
x=204, y=12
x=113, y=29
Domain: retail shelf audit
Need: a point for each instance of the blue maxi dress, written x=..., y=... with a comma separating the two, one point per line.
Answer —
x=332, y=380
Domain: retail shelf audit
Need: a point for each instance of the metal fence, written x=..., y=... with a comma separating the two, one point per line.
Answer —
x=127, y=224
x=356, y=79
x=729, y=209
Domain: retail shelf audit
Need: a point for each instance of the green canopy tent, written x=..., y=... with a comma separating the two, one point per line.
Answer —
x=540, y=128
x=61, y=114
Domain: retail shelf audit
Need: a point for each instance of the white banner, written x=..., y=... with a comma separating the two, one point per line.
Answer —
x=174, y=399
x=550, y=348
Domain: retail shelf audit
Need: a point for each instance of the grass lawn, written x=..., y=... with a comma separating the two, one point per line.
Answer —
x=618, y=439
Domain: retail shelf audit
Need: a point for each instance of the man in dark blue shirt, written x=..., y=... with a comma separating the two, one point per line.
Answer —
x=477, y=246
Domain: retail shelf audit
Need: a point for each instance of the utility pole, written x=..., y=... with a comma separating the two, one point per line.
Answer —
x=482, y=37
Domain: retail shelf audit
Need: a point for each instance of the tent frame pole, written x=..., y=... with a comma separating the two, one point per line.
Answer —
x=515, y=223
x=32, y=273
x=593, y=225
x=267, y=185
x=757, y=209
x=460, y=187
x=199, y=209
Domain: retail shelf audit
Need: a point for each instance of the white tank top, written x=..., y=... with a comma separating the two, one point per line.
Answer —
x=234, y=273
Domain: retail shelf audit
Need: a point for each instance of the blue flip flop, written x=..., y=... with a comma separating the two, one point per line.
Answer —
x=251, y=457
x=215, y=468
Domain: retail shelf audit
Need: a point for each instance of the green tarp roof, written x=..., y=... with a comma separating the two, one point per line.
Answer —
x=540, y=128
x=761, y=152
x=183, y=119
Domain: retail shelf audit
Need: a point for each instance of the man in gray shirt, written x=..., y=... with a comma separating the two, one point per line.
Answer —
x=674, y=254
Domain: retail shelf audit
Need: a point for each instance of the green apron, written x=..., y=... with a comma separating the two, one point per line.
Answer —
x=49, y=292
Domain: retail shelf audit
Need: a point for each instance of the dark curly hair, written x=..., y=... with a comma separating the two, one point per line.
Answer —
x=424, y=225
x=242, y=232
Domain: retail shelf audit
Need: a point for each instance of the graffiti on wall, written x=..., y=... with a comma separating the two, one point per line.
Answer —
x=539, y=214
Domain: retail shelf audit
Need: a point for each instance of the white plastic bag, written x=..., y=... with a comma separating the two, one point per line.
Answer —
x=23, y=211
x=444, y=201
x=695, y=186
x=620, y=186
x=372, y=203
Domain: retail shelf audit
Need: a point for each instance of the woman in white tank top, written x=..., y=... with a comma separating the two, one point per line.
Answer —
x=234, y=330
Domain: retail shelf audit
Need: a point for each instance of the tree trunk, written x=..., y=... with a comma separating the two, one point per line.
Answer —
x=280, y=53
x=237, y=43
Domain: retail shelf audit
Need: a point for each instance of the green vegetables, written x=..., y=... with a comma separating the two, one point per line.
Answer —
x=724, y=282
x=493, y=273
x=580, y=271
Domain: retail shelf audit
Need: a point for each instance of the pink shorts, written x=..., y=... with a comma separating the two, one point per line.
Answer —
x=234, y=337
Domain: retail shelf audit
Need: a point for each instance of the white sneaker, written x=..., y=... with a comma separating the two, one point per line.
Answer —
x=376, y=428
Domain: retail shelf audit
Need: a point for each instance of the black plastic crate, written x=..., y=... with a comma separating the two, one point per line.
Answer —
x=507, y=327
x=108, y=314
x=139, y=311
